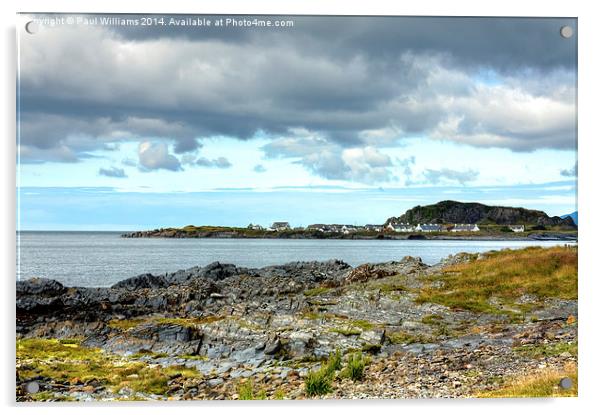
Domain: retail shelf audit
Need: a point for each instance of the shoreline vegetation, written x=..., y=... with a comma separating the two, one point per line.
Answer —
x=486, y=233
x=494, y=324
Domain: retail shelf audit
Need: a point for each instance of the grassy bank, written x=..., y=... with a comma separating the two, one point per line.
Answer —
x=69, y=363
x=508, y=281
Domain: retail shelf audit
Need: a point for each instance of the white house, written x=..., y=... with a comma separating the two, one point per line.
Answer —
x=401, y=227
x=465, y=227
x=374, y=228
x=347, y=229
x=320, y=227
x=429, y=227
x=517, y=228
x=255, y=227
x=281, y=226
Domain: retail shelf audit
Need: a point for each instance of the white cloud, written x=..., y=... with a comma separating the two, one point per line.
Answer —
x=155, y=156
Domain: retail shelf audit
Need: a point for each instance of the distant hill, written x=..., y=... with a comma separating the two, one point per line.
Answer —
x=450, y=211
x=574, y=216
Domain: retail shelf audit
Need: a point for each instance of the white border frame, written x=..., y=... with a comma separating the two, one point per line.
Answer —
x=589, y=192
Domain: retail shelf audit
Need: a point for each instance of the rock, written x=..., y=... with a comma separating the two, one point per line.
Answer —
x=40, y=287
x=215, y=382
x=142, y=281
x=273, y=347
x=366, y=272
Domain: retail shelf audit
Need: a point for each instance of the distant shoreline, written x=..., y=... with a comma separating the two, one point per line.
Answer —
x=179, y=234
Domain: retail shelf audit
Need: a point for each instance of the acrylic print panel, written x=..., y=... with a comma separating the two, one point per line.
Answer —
x=295, y=207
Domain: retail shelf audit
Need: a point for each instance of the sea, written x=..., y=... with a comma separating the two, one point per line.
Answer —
x=100, y=259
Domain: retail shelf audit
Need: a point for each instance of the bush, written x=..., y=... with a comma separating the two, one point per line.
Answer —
x=318, y=382
x=355, y=367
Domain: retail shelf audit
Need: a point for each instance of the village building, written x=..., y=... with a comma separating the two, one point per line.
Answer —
x=334, y=228
x=465, y=227
x=255, y=227
x=429, y=227
x=517, y=228
x=281, y=226
x=320, y=227
x=373, y=228
x=401, y=227
x=347, y=229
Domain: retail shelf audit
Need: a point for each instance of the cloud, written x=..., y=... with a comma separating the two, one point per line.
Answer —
x=112, y=172
x=259, y=168
x=572, y=172
x=406, y=165
x=330, y=160
x=220, y=162
x=129, y=162
x=155, y=156
x=357, y=82
x=449, y=175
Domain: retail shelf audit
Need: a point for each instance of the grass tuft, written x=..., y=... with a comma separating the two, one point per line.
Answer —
x=356, y=364
x=318, y=382
x=246, y=391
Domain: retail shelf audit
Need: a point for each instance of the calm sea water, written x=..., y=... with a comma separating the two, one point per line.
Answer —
x=97, y=259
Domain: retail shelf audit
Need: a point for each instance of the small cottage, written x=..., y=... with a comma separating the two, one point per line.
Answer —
x=465, y=227
x=429, y=227
x=281, y=226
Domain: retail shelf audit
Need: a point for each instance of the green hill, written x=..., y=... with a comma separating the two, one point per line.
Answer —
x=450, y=211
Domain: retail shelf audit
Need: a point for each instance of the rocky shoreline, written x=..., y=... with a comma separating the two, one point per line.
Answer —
x=220, y=331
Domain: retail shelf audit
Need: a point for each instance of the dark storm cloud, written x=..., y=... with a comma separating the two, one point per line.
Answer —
x=503, y=43
x=352, y=83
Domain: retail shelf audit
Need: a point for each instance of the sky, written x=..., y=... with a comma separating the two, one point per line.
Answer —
x=329, y=119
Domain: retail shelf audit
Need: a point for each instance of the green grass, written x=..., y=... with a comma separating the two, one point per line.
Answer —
x=356, y=363
x=362, y=324
x=72, y=363
x=318, y=382
x=316, y=291
x=506, y=275
x=392, y=287
x=371, y=348
x=547, y=350
x=334, y=362
x=193, y=357
x=542, y=384
x=347, y=331
x=128, y=324
x=246, y=391
x=402, y=337
x=432, y=319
